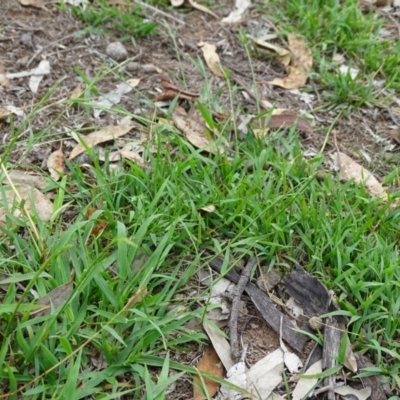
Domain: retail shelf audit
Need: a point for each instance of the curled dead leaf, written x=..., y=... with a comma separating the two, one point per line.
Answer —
x=132, y=156
x=212, y=58
x=349, y=169
x=194, y=132
x=77, y=92
x=55, y=164
x=283, y=55
x=210, y=208
x=103, y=135
x=300, y=65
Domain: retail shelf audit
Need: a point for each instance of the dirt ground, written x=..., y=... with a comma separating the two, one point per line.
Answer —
x=29, y=35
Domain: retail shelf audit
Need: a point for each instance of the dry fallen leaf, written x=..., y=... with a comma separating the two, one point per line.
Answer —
x=55, y=164
x=202, y=8
x=236, y=15
x=18, y=176
x=349, y=169
x=260, y=126
x=53, y=300
x=300, y=65
x=103, y=135
x=211, y=364
x=350, y=361
x=177, y=3
x=33, y=3
x=210, y=208
x=4, y=82
x=133, y=82
x=34, y=202
x=100, y=224
x=77, y=92
x=284, y=55
x=194, y=132
x=212, y=58
x=395, y=135
x=132, y=156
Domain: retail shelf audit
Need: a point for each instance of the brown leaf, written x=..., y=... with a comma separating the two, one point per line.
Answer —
x=103, y=135
x=4, y=82
x=300, y=65
x=350, y=361
x=194, y=132
x=132, y=156
x=77, y=92
x=100, y=224
x=53, y=300
x=211, y=364
x=395, y=135
x=33, y=201
x=283, y=121
x=212, y=58
x=202, y=8
x=349, y=170
x=171, y=91
x=18, y=176
x=284, y=55
x=55, y=164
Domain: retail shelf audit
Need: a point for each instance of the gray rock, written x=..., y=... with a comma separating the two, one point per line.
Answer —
x=117, y=51
x=132, y=66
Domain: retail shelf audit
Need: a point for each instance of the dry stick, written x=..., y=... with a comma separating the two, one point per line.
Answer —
x=326, y=388
x=244, y=278
x=156, y=10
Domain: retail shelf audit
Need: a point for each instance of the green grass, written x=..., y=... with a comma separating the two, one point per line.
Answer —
x=127, y=19
x=133, y=286
x=332, y=27
x=154, y=238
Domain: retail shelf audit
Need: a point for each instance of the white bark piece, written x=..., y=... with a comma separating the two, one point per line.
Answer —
x=264, y=376
x=237, y=14
x=305, y=385
x=348, y=392
x=37, y=75
x=110, y=99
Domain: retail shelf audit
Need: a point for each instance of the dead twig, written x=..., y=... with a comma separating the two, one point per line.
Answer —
x=244, y=278
x=157, y=11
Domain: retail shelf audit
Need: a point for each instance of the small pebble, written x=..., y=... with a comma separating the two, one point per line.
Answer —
x=26, y=39
x=117, y=51
x=132, y=66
